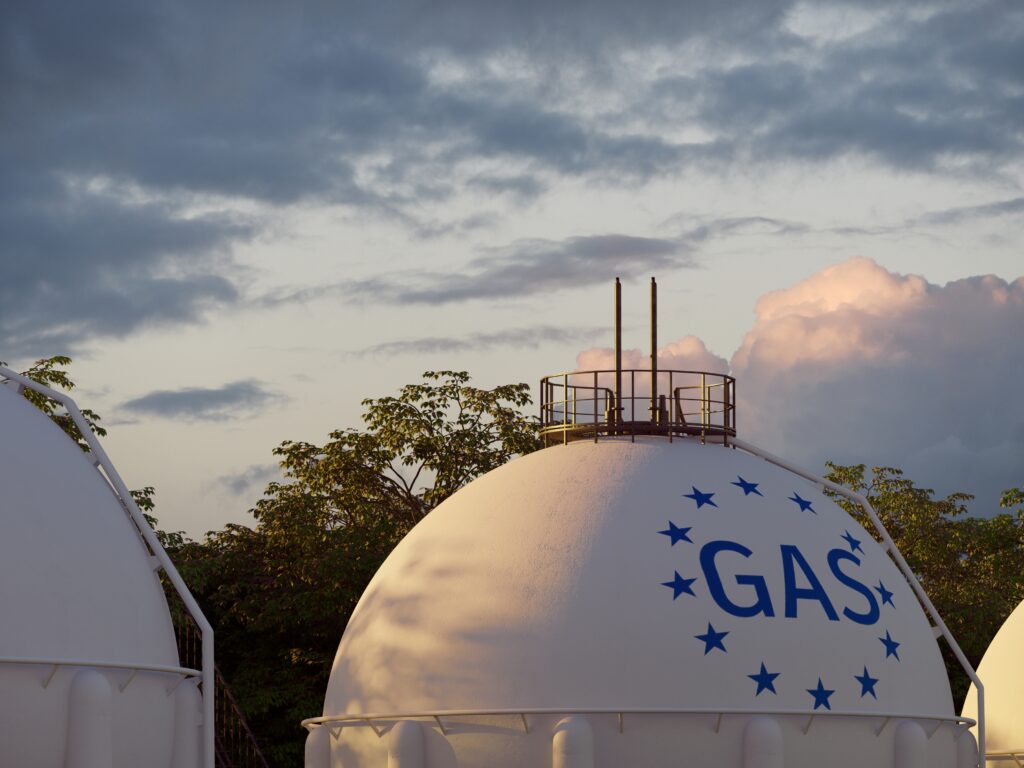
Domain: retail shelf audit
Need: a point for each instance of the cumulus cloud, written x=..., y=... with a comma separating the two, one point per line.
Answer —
x=857, y=364
x=240, y=398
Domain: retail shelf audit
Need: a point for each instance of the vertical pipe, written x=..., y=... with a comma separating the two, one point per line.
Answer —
x=618, y=348
x=654, y=351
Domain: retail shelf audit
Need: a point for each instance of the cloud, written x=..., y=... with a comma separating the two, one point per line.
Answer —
x=859, y=364
x=122, y=120
x=250, y=479
x=240, y=398
x=1010, y=207
x=474, y=342
x=78, y=264
x=525, y=268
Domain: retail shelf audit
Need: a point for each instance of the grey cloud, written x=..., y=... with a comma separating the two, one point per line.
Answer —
x=250, y=479
x=535, y=267
x=349, y=105
x=230, y=401
x=531, y=267
x=968, y=212
x=78, y=264
x=475, y=342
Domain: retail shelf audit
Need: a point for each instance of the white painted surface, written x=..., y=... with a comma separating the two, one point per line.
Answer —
x=540, y=586
x=1002, y=673
x=76, y=584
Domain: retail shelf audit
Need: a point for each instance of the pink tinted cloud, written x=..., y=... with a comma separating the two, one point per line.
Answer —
x=860, y=364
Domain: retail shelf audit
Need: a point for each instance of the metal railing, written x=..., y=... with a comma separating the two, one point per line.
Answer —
x=584, y=405
x=378, y=721
x=148, y=540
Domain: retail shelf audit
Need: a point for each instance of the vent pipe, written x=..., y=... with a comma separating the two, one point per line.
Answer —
x=655, y=408
x=616, y=411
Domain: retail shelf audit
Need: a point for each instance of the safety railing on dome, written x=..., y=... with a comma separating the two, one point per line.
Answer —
x=586, y=405
x=379, y=722
x=158, y=556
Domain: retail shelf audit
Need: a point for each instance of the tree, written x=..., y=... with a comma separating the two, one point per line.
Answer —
x=281, y=593
x=972, y=568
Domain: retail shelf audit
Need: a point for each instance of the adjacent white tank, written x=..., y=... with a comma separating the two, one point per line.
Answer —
x=1002, y=673
x=89, y=669
x=639, y=604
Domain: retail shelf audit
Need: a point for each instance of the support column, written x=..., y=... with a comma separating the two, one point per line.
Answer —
x=966, y=751
x=406, y=748
x=762, y=744
x=90, y=735
x=318, y=748
x=911, y=746
x=572, y=746
x=188, y=720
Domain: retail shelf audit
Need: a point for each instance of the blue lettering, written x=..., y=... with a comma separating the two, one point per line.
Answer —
x=791, y=555
x=871, y=616
x=763, y=604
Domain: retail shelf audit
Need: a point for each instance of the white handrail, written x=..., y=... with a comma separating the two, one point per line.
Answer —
x=126, y=667
x=897, y=557
x=124, y=496
x=339, y=720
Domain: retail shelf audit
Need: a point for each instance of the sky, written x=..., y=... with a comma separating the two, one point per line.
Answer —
x=243, y=218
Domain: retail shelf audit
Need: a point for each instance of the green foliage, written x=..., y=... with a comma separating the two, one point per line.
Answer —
x=972, y=568
x=51, y=372
x=280, y=595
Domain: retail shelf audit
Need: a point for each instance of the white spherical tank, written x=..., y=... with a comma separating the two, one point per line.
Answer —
x=89, y=668
x=642, y=603
x=1002, y=673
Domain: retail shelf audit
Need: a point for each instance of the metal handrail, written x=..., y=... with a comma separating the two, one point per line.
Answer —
x=1017, y=755
x=340, y=721
x=579, y=405
x=149, y=541
x=156, y=668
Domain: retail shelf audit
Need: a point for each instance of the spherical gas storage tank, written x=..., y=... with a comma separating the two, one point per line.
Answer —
x=1002, y=673
x=89, y=669
x=645, y=602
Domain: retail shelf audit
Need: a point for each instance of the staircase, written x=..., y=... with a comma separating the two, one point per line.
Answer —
x=236, y=746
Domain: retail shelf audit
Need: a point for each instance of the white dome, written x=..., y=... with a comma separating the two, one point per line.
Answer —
x=89, y=669
x=75, y=579
x=1002, y=673
x=639, y=576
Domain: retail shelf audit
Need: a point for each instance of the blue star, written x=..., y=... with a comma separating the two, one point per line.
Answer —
x=820, y=694
x=890, y=646
x=854, y=543
x=765, y=680
x=700, y=498
x=748, y=488
x=712, y=640
x=676, y=533
x=867, y=684
x=805, y=505
x=885, y=594
x=679, y=585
